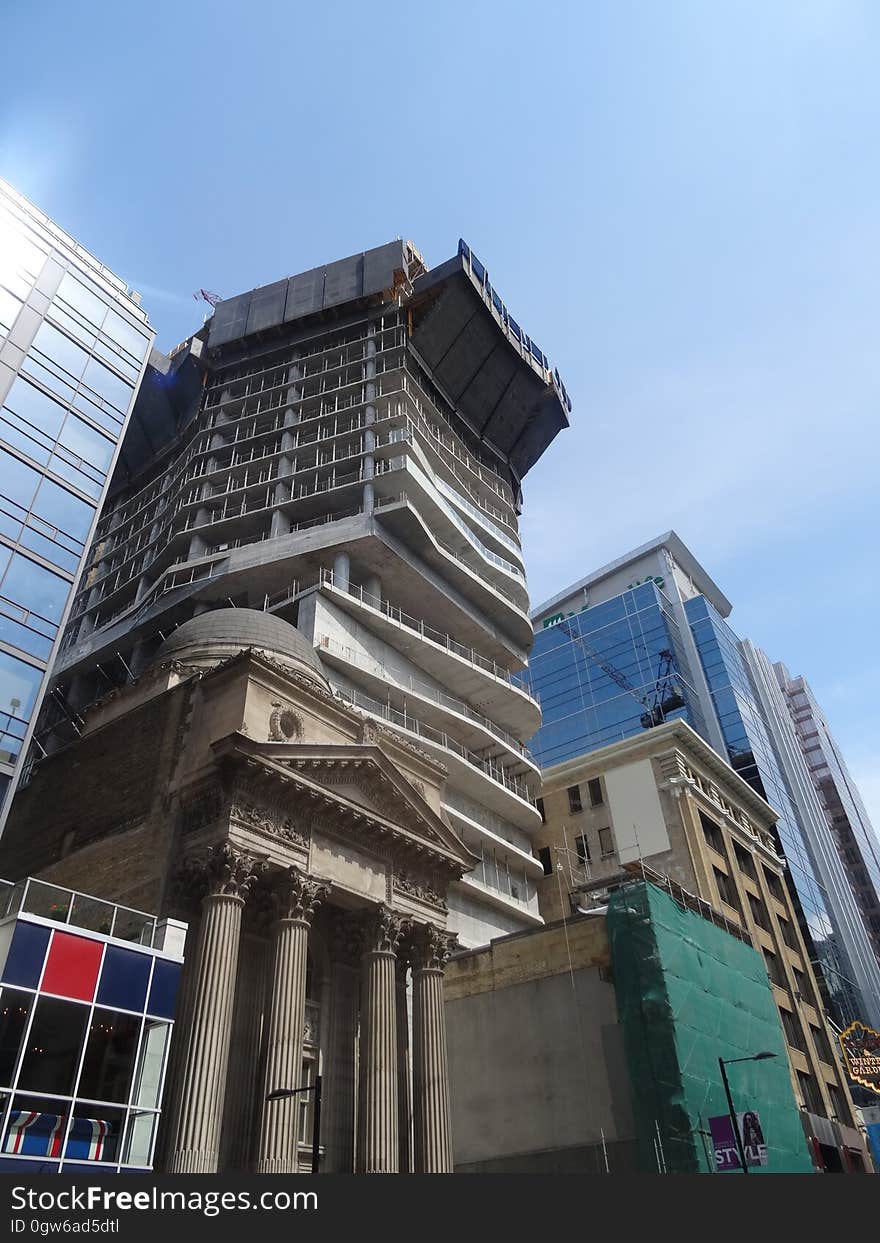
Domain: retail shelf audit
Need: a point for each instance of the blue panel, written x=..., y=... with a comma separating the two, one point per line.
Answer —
x=24, y=962
x=124, y=979
x=163, y=992
x=24, y=1168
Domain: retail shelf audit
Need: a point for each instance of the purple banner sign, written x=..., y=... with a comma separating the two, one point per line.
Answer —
x=724, y=1141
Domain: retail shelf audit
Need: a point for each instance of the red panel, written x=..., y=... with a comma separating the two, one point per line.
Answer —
x=72, y=967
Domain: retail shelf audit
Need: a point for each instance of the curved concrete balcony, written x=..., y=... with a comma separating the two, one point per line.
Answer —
x=471, y=828
x=400, y=513
x=479, y=778
x=477, y=733
x=467, y=673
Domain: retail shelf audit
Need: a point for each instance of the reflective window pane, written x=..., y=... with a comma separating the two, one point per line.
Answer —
x=84, y=300
x=126, y=335
x=15, y=1006
x=63, y=510
x=53, y=1047
x=149, y=1073
x=35, y=407
x=61, y=350
x=39, y=589
x=109, y=1060
x=19, y=684
x=18, y=482
x=107, y=385
x=87, y=443
x=9, y=308
x=95, y=1133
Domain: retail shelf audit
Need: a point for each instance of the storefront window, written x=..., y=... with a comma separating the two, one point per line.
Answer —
x=53, y=1047
x=110, y=1054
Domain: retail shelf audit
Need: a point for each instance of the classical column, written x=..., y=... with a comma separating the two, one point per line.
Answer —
x=340, y=1079
x=432, y=1146
x=296, y=899
x=377, y=1112
x=227, y=874
x=404, y=1091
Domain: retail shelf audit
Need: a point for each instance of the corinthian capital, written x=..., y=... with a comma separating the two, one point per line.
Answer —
x=221, y=870
x=383, y=930
x=295, y=896
x=430, y=947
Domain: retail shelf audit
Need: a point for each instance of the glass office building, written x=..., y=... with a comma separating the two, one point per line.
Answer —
x=645, y=639
x=73, y=347
x=87, y=999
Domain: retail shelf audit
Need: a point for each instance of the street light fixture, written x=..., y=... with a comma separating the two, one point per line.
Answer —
x=280, y=1094
x=730, y=1061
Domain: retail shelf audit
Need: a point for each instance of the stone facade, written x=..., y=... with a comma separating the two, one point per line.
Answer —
x=307, y=848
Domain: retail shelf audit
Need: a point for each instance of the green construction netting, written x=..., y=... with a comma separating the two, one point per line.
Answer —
x=688, y=992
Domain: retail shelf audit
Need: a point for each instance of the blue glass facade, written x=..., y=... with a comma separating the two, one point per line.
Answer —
x=601, y=674
x=751, y=753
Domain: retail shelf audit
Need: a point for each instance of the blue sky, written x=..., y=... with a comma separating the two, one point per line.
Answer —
x=678, y=200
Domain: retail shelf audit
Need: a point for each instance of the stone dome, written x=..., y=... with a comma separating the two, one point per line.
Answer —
x=212, y=637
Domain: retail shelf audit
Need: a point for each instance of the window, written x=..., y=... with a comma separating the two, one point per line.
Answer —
x=606, y=843
x=582, y=846
x=546, y=860
x=774, y=884
x=794, y=1033
x=574, y=799
x=745, y=861
x=594, y=785
x=726, y=888
x=802, y=986
x=759, y=912
x=36, y=588
x=109, y=1059
x=823, y=1044
x=788, y=934
x=812, y=1097
x=838, y=1106
x=539, y=803
x=14, y=1010
x=712, y=833
x=53, y=1047
x=774, y=968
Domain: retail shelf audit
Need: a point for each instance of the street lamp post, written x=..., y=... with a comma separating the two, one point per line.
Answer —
x=722, y=1062
x=279, y=1094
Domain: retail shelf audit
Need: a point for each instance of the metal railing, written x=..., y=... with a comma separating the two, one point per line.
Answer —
x=412, y=725
x=421, y=628
x=425, y=691
x=76, y=909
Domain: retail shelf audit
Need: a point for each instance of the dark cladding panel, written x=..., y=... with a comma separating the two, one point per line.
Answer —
x=343, y=280
x=305, y=294
x=380, y=265
x=267, y=307
x=230, y=320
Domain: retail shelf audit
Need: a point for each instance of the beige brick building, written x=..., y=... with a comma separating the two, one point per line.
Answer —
x=667, y=799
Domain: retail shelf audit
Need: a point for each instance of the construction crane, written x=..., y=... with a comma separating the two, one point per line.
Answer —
x=205, y=295
x=665, y=698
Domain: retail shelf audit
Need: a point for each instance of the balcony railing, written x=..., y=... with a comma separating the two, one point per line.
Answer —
x=420, y=627
x=413, y=725
x=425, y=691
x=77, y=910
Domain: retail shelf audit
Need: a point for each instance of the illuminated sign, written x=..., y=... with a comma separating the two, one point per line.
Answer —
x=861, y=1053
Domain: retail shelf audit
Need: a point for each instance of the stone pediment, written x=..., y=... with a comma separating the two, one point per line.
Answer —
x=361, y=789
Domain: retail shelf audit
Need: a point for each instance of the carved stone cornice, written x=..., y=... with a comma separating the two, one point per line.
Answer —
x=421, y=890
x=221, y=871
x=382, y=930
x=296, y=896
x=430, y=947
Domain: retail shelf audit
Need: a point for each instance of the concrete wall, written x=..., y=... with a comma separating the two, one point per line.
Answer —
x=537, y=1070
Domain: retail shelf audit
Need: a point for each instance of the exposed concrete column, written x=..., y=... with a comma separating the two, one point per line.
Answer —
x=228, y=874
x=404, y=1092
x=295, y=900
x=369, y=465
x=373, y=588
x=341, y=570
x=341, y=1074
x=432, y=1136
x=377, y=1112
